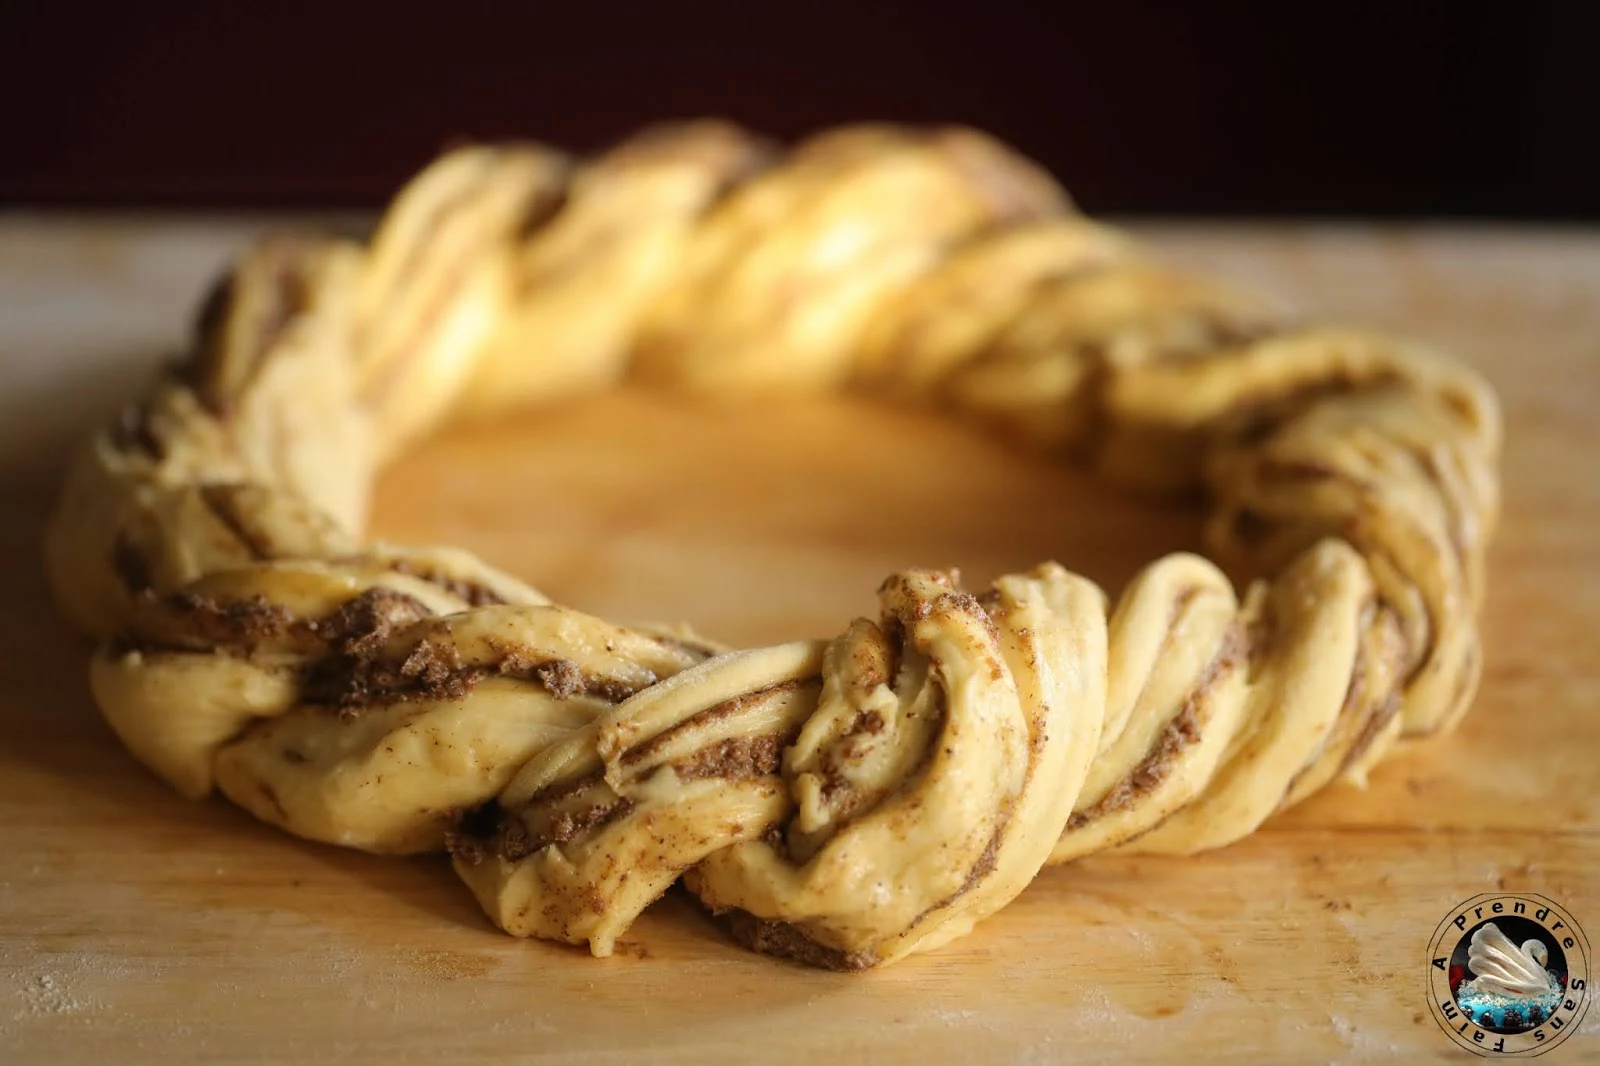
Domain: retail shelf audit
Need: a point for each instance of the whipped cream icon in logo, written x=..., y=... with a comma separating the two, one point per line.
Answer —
x=1508, y=974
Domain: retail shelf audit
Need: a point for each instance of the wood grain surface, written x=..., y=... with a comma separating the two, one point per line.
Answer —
x=137, y=927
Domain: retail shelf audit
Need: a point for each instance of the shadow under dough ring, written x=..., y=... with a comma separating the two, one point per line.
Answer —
x=843, y=802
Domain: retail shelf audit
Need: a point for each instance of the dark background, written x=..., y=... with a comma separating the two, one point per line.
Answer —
x=1400, y=108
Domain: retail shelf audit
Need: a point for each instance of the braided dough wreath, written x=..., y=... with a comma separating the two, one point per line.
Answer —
x=844, y=802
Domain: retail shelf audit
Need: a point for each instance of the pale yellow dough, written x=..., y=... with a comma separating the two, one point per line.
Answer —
x=844, y=802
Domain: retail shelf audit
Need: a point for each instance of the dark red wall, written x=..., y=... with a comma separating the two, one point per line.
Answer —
x=1397, y=107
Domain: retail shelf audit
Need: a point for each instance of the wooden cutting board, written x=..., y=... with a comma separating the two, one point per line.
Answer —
x=137, y=927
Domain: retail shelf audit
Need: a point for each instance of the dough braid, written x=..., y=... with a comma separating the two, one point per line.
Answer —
x=844, y=802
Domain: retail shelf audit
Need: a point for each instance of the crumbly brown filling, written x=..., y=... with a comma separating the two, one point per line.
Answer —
x=222, y=502
x=711, y=714
x=1385, y=708
x=790, y=941
x=358, y=627
x=830, y=766
x=470, y=592
x=491, y=830
x=984, y=866
x=216, y=384
x=434, y=670
x=540, y=214
x=239, y=623
x=471, y=835
x=358, y=674
x=1180, y=734
x=562, y=828
x=735, y=759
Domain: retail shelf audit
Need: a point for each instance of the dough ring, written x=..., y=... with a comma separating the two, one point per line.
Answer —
x=844, y=802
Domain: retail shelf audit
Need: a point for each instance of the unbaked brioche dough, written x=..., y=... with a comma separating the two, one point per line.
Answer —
x=844, y=802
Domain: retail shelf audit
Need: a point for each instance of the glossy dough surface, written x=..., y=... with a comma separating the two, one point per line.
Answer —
x=846, y=801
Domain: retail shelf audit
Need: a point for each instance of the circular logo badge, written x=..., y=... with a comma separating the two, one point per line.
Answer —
x=1508, y=974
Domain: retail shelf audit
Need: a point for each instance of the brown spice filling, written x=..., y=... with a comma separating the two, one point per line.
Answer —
x=540, y=214
x=1458, y=523
x=434, y=671
x=1380, y=620
x=774, y=839
x=760, y=158
x=357, y=675
x=894, y=637
x=1180, y=734
x=470, y=592
x=363, y=623
x=563, y=827
x=220, y=501
x=207, y=372
x=697, y=649
x=1355, y=699
x=711, y=714
x=1380, y=717
x=560, y=677
x=447, y=279
x=492, y=830
x=845, y=799
x=238, y=623
x=1262, y=636
x=470, y=837
x=1253, y=418
x=830, y=766
x=735, y=759
x=1224, y=330
x=985, y=864
x=789, y=941
x=357, y=627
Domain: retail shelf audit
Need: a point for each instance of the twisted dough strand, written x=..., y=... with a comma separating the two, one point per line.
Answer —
x=843, y=802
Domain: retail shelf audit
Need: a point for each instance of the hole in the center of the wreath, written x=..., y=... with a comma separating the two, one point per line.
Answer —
x=757, y=521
